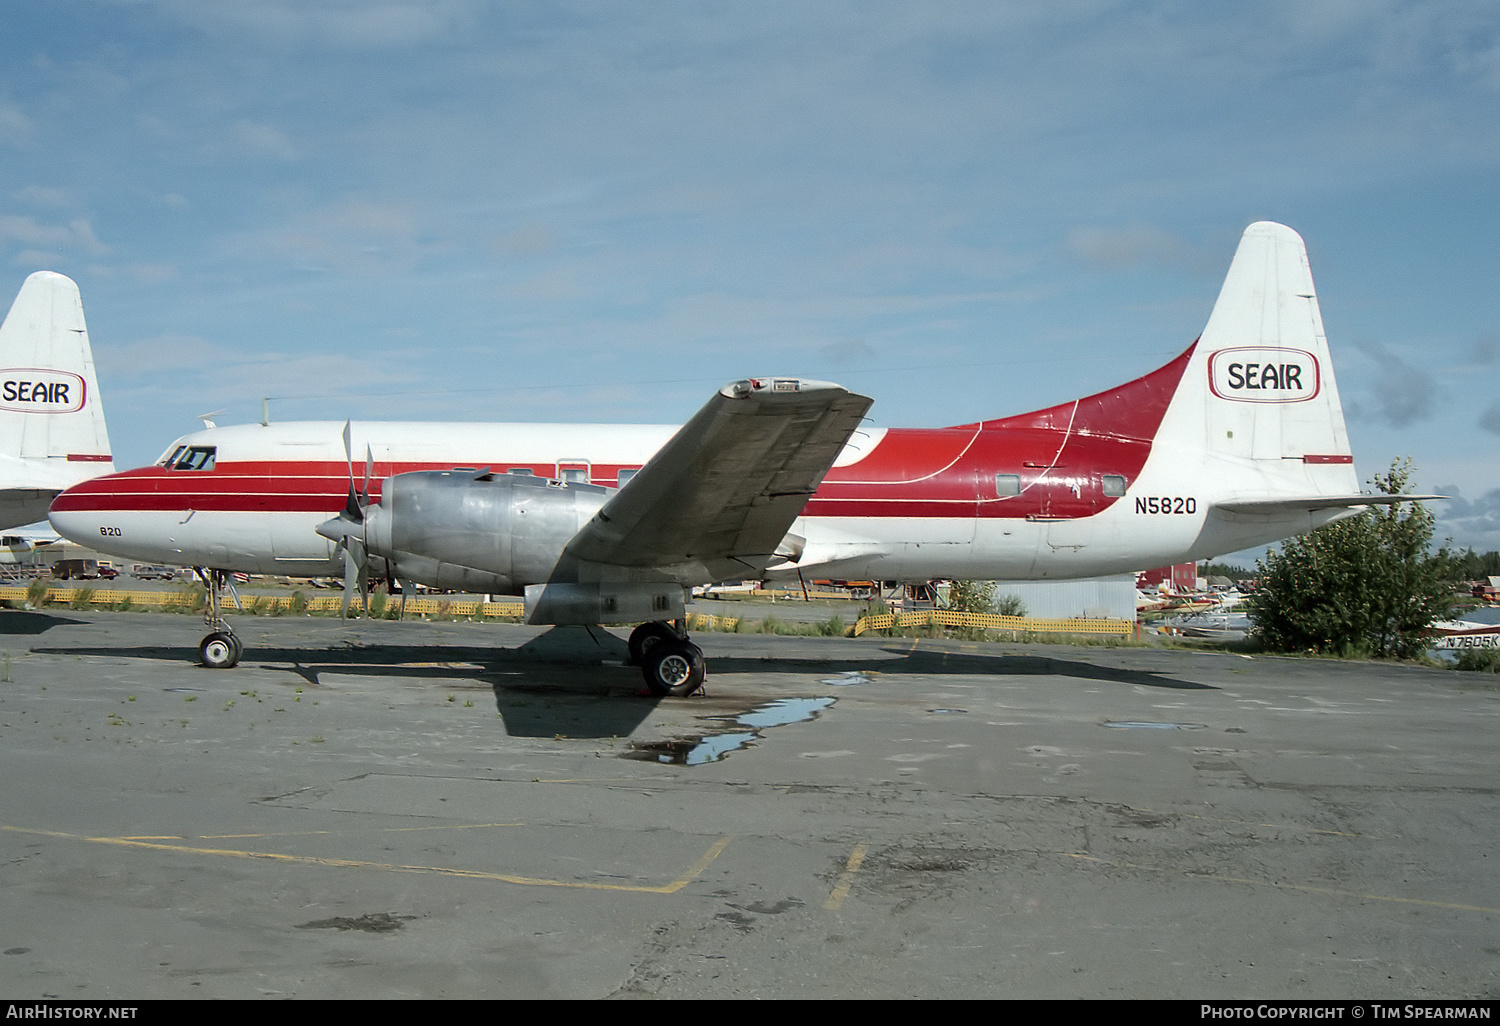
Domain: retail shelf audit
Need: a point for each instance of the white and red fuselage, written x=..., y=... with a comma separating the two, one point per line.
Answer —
x=1238, y=441
x=1087, y=488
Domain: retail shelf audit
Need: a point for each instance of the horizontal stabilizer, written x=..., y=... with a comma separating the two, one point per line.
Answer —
x=1273, y=507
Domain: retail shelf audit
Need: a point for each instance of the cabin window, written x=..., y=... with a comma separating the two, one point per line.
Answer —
x=625, y=476
x=575, y=475
x=1007, y=484
x=195, y=457
x=1114, y=485
x=521, y=471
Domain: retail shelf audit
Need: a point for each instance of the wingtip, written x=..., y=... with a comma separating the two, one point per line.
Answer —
x=746, y=387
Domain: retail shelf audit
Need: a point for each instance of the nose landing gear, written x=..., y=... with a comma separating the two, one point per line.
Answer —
x=221, y=649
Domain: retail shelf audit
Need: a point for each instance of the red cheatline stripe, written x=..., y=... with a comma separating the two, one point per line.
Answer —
x=1314, y=458
x=330, y=504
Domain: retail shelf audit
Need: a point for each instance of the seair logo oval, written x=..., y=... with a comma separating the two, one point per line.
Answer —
x=38, y=390
x=1264, y=374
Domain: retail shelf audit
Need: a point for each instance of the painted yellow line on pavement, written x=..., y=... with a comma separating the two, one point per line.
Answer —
x=682, y=881
x=329, y=833
x=846, y=878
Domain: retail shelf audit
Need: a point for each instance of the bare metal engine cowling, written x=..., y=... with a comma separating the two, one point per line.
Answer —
x=487, y=533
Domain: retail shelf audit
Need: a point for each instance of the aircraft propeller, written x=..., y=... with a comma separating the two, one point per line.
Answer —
x=351, y=529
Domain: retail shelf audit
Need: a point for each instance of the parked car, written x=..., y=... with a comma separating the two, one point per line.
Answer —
x=152, y=572
x=83, y=570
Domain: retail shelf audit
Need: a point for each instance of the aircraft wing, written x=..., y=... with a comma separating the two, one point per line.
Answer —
x=720, y=496
x=1276, y=507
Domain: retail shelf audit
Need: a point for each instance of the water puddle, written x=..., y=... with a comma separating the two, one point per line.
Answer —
x=784, y=710
x=1152, y=725
x=845, y=679
x=696, y=751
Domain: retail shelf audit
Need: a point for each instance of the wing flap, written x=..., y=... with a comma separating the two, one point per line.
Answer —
x=723, y=492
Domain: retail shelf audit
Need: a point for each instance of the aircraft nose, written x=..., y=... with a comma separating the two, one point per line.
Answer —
x=79, y=513
x=76, y=525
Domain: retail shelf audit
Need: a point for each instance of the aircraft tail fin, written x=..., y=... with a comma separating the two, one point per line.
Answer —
x=1258, y=398
x=52, y=432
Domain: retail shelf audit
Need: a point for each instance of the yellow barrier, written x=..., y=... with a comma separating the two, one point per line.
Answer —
x=270, y=603
x=318, y=604
x=991, y=621
x=709, y=622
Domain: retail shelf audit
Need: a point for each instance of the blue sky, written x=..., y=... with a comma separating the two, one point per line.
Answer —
x=601, y=211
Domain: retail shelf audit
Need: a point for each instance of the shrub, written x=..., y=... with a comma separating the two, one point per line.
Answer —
x=1485, y=660
x=1367, y=585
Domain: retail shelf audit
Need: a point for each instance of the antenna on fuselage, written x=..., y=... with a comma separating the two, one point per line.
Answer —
x=265, y=411
x=207, y=418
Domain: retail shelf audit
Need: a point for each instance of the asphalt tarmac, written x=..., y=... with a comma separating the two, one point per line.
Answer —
x=431, y=810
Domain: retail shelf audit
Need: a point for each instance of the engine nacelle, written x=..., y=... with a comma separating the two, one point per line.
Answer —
x=490, y=533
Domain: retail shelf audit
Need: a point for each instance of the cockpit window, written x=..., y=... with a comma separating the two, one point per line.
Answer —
x=171, y=457
x=194, y=457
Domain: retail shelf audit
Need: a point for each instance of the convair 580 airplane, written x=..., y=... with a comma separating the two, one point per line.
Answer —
x=1237, y=442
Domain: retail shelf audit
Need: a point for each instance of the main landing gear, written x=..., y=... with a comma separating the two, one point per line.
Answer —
x=672, y=665
x=222, y=648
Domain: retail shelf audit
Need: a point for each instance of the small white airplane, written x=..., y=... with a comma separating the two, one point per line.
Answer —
x=1237, y=442
x=51, y=421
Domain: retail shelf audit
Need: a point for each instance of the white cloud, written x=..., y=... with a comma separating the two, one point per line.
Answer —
x=1136, y=245
x=263, y=140
x=349, y=24
x=1402, y=393
x=77, y=234
x=15, y=126
x=42, y=196
x=1490, y=419
x=1470, y=523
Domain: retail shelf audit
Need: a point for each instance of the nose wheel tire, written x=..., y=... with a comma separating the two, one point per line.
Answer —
x=674, y=668
x=220, y=650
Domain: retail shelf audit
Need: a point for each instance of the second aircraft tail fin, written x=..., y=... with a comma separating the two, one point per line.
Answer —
x=52, y=432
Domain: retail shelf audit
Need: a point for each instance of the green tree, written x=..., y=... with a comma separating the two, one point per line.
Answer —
x=1233, y=571
x=971, y=596
x=1470, y=565
x=1368, y=585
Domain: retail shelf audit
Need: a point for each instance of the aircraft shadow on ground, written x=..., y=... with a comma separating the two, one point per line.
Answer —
x=540, y=698
x=25, y=621
x=535, y=699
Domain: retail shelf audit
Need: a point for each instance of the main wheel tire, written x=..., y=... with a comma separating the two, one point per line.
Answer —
x=646, y=637
x=239, y=649
x=674, y=668
x=219, y=651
